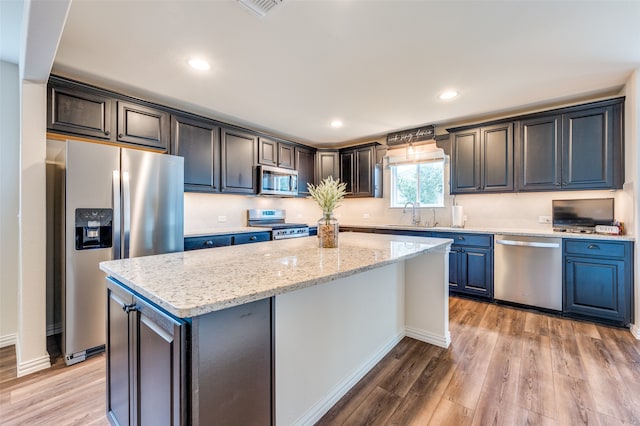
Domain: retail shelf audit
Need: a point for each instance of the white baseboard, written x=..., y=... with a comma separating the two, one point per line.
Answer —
x=33, y=365
x=427, y=337
x=635, y=330
x=320, y=408
x=54, y=329
x=8, y=340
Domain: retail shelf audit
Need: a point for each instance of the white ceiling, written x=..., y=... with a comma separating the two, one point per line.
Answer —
x=376, y=65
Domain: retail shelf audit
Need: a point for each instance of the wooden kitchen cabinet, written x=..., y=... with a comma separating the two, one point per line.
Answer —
x=574, y=148
x=198, y=142
x=239, y=152
x=305, y=165
x=539, y=153
x=347, y=160
x=357, y=167
x=598, y=280
x=251, y=237
x=155, y=378
x=328, y=164
x=146, y=362
x=142, y=125
x=482, y=159
x=222, y=240
x=579, y=149
x=591, y=158
x=80, y=111
x=209, y=241
x=470, y=264
x=277, y=154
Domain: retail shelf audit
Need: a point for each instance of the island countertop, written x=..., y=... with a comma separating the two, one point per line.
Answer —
x=188, y=284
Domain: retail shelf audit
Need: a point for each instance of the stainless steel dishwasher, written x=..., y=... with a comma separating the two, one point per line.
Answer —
x=528, y=270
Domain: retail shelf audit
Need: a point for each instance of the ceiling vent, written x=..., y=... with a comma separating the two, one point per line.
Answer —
x=260, y=7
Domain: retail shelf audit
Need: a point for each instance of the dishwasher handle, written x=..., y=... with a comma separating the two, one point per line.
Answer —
x=528, y=244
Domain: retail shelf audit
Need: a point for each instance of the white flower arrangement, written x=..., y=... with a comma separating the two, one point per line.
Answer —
x=328, y=194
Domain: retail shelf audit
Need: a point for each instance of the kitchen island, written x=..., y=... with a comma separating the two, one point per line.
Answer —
x=273, y=332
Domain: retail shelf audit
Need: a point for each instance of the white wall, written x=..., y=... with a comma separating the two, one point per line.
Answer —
x=515, y=210
x=32, y=337
x=632, y=164
x=9, y=177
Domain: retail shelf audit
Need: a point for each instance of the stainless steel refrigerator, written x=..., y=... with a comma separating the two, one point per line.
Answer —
x=111, y=203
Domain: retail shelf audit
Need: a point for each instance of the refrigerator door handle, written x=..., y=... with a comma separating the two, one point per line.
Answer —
x=126, y=212
x=117, y=217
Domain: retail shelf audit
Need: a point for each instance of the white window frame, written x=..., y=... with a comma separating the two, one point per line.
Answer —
x=393, y=192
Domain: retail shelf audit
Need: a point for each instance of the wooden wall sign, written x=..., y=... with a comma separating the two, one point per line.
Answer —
x=414, y=135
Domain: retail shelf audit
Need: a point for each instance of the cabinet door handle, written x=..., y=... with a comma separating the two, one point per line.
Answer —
x=461, y=238
x=107, y=132
x=253, y=238
x=593, y=247
x=130, y=308
x=120, y=135
x=208, y=243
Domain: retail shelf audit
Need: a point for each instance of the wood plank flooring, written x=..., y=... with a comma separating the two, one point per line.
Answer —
x=504, y=367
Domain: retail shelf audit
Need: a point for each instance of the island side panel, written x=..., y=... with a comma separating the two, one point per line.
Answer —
x=427, y=298
x=329, y=336
x=231, y=361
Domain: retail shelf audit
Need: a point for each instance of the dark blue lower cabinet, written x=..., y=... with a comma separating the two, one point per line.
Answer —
x=598, y=287
x=470, y=263
x=470, y=271
x=254, y=237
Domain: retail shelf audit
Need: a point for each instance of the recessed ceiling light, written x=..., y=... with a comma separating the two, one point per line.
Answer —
x=199, y=64
x=449, y=94
x=336, y=123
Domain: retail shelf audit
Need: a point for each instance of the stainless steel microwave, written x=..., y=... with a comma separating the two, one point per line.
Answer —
x=277, y=181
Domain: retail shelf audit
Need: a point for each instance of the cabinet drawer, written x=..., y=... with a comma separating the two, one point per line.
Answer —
x=253, y=237
x=597, y=248
x=195, y=243
x=460, y=239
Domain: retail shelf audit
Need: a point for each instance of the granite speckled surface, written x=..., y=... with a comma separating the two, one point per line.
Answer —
x=193, y=283
x=226, y=231
x=502, y=231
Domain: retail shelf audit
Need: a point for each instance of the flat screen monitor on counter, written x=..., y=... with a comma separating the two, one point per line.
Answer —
x=582, y=213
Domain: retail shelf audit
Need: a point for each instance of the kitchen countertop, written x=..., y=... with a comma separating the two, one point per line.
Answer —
x=193, y=283
x=230, y=230
x=501, y=231
x=226, y=231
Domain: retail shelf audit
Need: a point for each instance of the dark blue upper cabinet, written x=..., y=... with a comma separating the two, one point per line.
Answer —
x=579, y=147
x=598, y=280
x=539, y=154
x=483, y=159
x=588, y=151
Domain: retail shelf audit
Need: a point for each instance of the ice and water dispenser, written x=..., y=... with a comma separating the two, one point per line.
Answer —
x=94, y=228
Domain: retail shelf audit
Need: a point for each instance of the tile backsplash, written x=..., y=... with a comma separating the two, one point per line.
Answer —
x=512, y=210
x=509, y=210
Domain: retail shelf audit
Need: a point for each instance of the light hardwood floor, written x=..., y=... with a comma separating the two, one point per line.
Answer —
x=504, y=367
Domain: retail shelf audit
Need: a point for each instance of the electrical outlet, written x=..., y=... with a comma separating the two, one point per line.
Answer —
x=544, y=219
x=222, y=218
x=365, y=215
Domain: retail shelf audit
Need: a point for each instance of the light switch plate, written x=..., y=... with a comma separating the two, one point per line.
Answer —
x=222, y=218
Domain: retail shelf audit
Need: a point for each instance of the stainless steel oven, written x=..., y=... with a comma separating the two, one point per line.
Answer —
x=275, y=219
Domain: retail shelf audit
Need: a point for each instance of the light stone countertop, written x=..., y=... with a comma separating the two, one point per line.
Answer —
x=226, y=231
x=193, y=283
x=501, y=231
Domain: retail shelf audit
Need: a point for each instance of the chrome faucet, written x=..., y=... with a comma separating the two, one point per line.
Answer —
x=415, y=221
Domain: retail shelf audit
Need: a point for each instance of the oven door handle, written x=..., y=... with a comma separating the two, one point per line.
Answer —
x=527, y=244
